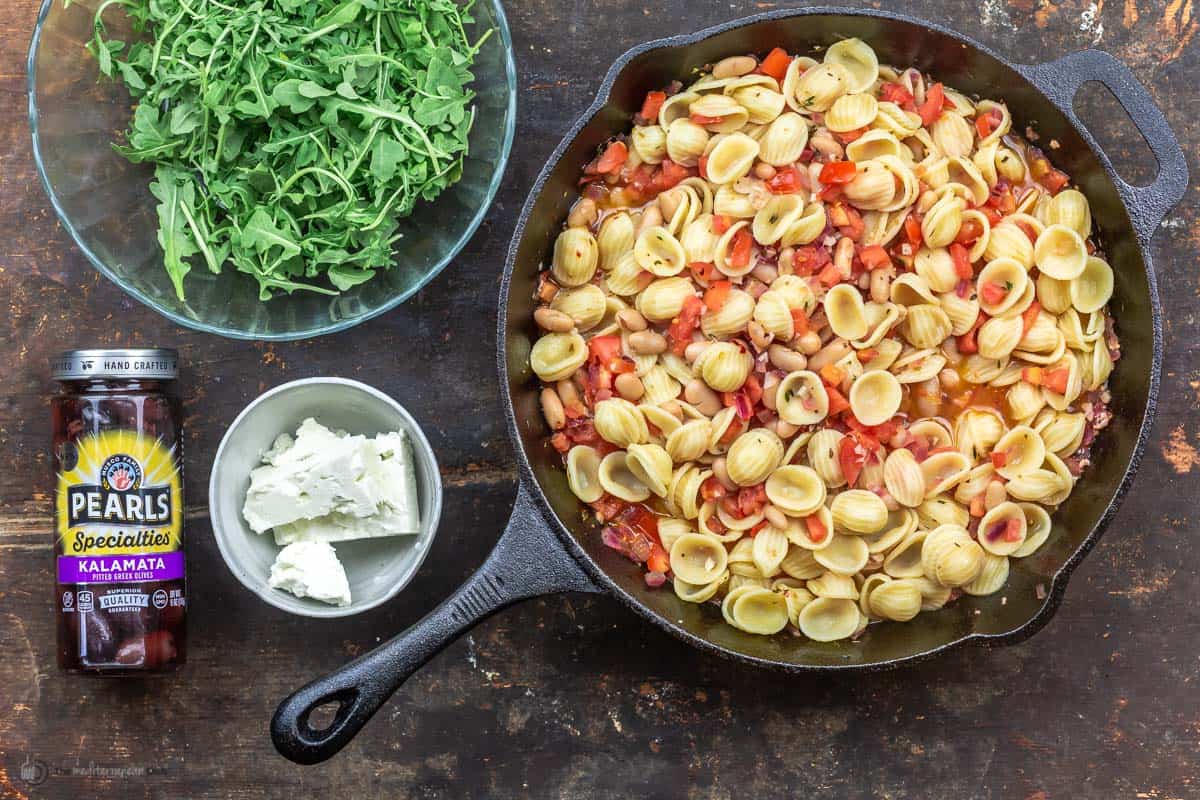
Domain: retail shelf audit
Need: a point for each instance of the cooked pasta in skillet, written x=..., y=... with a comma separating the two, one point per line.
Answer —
x=824, y=342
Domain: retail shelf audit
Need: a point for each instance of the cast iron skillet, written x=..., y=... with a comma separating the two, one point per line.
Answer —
x=547, y=547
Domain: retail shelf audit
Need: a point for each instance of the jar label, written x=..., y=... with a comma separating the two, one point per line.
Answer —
x=122, y=496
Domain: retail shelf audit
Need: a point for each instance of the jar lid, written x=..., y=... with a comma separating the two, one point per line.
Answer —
x=149, y=363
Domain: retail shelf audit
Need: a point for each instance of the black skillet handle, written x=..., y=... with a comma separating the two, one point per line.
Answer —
x=1060, y=80
x=529, y=560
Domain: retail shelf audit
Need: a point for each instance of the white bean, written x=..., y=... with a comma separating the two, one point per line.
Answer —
x=552, y=410
x=994, y=495
x=810, y=343
x=703, y=398
x=722, y=474
x=629, y=386
x=631, y=319
x=734, y=67
x=584, y=214
x=786, y=358
x=775, y=516
x=647, y=343
x=553, y=320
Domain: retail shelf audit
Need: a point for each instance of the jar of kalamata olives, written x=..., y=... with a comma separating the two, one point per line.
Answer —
x=118, y=512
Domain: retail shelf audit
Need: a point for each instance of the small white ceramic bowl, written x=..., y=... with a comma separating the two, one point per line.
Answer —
x=376, y=568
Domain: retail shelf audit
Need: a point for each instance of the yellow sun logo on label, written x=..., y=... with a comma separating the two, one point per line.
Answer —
x=123, y=494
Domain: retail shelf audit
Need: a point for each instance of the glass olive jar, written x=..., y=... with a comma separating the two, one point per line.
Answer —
x=120, y=576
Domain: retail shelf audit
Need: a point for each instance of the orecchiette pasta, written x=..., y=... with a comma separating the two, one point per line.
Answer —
x=827, y=344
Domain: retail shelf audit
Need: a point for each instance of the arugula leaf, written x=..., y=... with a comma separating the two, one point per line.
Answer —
x=262, y=234
x=174, y=191
x=288, y=136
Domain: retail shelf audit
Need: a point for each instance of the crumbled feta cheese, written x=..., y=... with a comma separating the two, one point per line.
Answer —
x=311, y=569
x=326, y=486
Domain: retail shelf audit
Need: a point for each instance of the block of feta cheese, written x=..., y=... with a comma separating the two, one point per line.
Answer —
x=317, y=473
x=311, y=569
x=390, y=479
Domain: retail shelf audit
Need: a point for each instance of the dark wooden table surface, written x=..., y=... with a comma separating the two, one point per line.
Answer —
x=573, y=696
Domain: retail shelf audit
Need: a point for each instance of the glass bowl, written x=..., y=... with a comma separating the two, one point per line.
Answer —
x=104, y=201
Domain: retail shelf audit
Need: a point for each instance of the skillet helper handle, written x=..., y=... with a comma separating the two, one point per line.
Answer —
x=1060, y=81
x=528, y=561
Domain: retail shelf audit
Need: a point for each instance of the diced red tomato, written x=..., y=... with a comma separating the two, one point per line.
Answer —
x=729, y=504
x=607, y=507
x=1012, y=530
x=832, y=374
x=962, y=261
x=874, y=257
x=847, y=220
x=776, y=64
x=978, y=506
x=838, y=172
x=702, y=167
x=912, y=229
x=701, y=119
x=560, y=442
x=703, y=270
x=754, y=531
x=847, y=137
x=799, y=322
x=872, y=435
x=731, y=433
x=680, y=331
x=622, y=365
x=721, y=223
x=1032, y=375
x=786, y=180
x=717, y=294
x=605, y=348
x=745, y=398
x=611, y=160
x=641, y=518
x=582, y=431
x=1057, y=380
x=1001, y=199
x=1054, y=180
x=860, y=448
x=712, y=489
x=931, y=109
x=837, y=401
x=670, y=174
x=753, y=389
x=999, y=459
x=810, y=258
x=992, y=292
x=658, y=561
x=1029, y=316
x=969, y=232
x=896, y=93
x=967, y=343
x=866, y=355
x=830, y=275
x=816, y=528
x=850, y=459
x=987, y=123
x=751, y=499
x=652, y=105
x=740, y=248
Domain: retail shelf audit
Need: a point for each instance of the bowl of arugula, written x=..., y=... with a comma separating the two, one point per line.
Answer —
x=277, y=169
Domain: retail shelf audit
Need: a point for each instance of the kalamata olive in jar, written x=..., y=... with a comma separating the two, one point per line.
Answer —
x=117, y=451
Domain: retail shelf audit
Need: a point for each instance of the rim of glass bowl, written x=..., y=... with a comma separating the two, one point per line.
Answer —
x=510, y=126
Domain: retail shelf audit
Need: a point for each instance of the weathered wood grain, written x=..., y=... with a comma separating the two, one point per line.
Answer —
x=573, y=697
